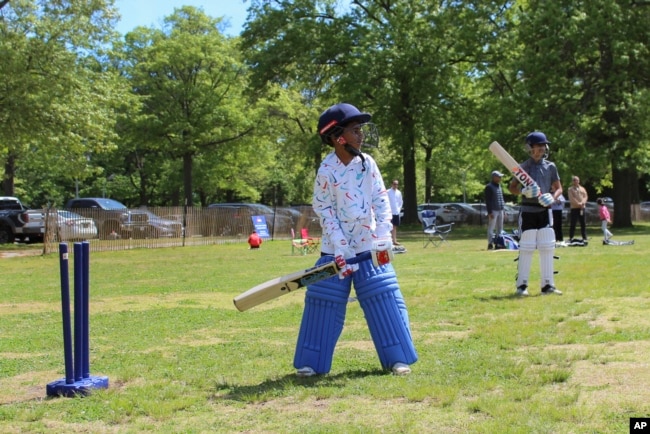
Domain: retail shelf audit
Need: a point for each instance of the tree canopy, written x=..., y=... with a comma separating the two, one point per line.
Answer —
x=183, y=114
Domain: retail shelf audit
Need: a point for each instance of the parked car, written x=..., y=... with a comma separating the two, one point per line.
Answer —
x=35, y=226
x=294, y=214
x=114, y=220
x=160, y=227
x=308, y=219
x=473, y=216
x=15, y=222
x=236, y=218
x=481, y=208
x=306, y=211
x=645, y=206
x=71, y=226
x=445, y=212
x=181, y=220
x=511, y=213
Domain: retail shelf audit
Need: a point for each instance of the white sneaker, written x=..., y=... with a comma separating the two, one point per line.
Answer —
x=550, y=289
x=305, y=371
x=400, y=368
x=522, y=291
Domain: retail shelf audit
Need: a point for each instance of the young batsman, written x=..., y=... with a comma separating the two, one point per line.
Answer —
x=352, y=203
x=535, y=226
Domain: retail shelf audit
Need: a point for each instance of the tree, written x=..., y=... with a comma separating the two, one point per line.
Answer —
x=190, y=81
x=55, y=102
x=401, y=60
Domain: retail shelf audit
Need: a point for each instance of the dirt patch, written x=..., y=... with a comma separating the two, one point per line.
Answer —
x=19, y=253
x=618, y=381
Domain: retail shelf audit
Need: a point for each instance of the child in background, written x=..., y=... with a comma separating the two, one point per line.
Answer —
x=603, y=212
x=254, y=240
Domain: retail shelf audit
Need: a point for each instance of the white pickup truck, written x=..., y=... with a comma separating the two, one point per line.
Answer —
x=17, y=223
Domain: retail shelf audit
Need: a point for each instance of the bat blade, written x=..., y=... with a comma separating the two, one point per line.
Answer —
x=511, y=164
x=279, y=286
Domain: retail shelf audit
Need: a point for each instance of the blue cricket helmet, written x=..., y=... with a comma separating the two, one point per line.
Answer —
x=337, y=116
x=535, y=138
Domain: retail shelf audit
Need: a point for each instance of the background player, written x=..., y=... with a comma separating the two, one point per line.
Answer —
x=535, y=218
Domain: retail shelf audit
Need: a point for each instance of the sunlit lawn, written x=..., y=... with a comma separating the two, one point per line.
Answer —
x=181, y=358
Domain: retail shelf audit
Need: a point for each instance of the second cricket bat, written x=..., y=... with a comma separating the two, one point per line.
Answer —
x=520, y=174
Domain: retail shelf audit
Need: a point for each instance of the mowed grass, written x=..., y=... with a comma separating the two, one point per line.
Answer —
x=181, y=358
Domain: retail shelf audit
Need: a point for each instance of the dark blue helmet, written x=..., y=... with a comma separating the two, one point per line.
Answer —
x=534, y=138
x=333, y=120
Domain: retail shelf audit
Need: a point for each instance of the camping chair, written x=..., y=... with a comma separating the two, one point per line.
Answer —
x=298, y=244
x=313, y=244
x=435, y=234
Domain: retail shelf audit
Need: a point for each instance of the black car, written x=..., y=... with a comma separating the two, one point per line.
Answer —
x=237, y=219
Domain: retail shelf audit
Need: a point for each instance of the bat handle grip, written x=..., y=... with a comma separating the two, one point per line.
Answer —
x=360, y=257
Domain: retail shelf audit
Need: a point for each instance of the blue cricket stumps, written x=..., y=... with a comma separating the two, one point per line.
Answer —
x=77, y=381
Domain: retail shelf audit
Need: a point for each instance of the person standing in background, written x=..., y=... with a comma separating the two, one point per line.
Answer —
x=578, y=198
x=396, y=203
x=494, y=204
x=605, y=219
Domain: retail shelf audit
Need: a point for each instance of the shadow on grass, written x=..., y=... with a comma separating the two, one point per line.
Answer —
x=501, y=297
x=277, y=387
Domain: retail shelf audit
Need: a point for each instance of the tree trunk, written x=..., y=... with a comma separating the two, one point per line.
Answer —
x=625, y=181
x=9, y=175
x=187, y=178
x=410, y=183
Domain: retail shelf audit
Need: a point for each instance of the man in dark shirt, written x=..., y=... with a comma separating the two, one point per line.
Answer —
x=494, y=204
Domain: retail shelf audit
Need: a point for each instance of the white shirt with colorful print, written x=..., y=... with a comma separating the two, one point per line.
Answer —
x=352, y=204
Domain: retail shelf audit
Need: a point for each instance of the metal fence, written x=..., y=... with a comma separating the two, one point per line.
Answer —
x=157, y=227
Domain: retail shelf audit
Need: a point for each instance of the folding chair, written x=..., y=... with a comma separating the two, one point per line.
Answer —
x=435, y=234
x=298, y=244
x=313, y=244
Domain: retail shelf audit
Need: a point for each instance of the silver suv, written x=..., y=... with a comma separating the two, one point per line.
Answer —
x=113, y=219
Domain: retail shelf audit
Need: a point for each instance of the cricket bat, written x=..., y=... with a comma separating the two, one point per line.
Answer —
x=520, y=174
x=283, y=285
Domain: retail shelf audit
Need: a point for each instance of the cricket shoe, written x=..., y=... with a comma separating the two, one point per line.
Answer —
x=399, y=249
x=400, y=368
x=305, y=371
x=522, y=291
x=550, y=289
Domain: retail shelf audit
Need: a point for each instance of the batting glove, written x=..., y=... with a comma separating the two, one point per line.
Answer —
x=546, y=200
x=340, y=255
x=382, y=252
x=531, y=191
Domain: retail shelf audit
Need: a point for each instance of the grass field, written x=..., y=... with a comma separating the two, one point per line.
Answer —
x=181, y=358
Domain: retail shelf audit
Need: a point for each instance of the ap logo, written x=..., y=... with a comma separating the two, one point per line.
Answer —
x=639, y=425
